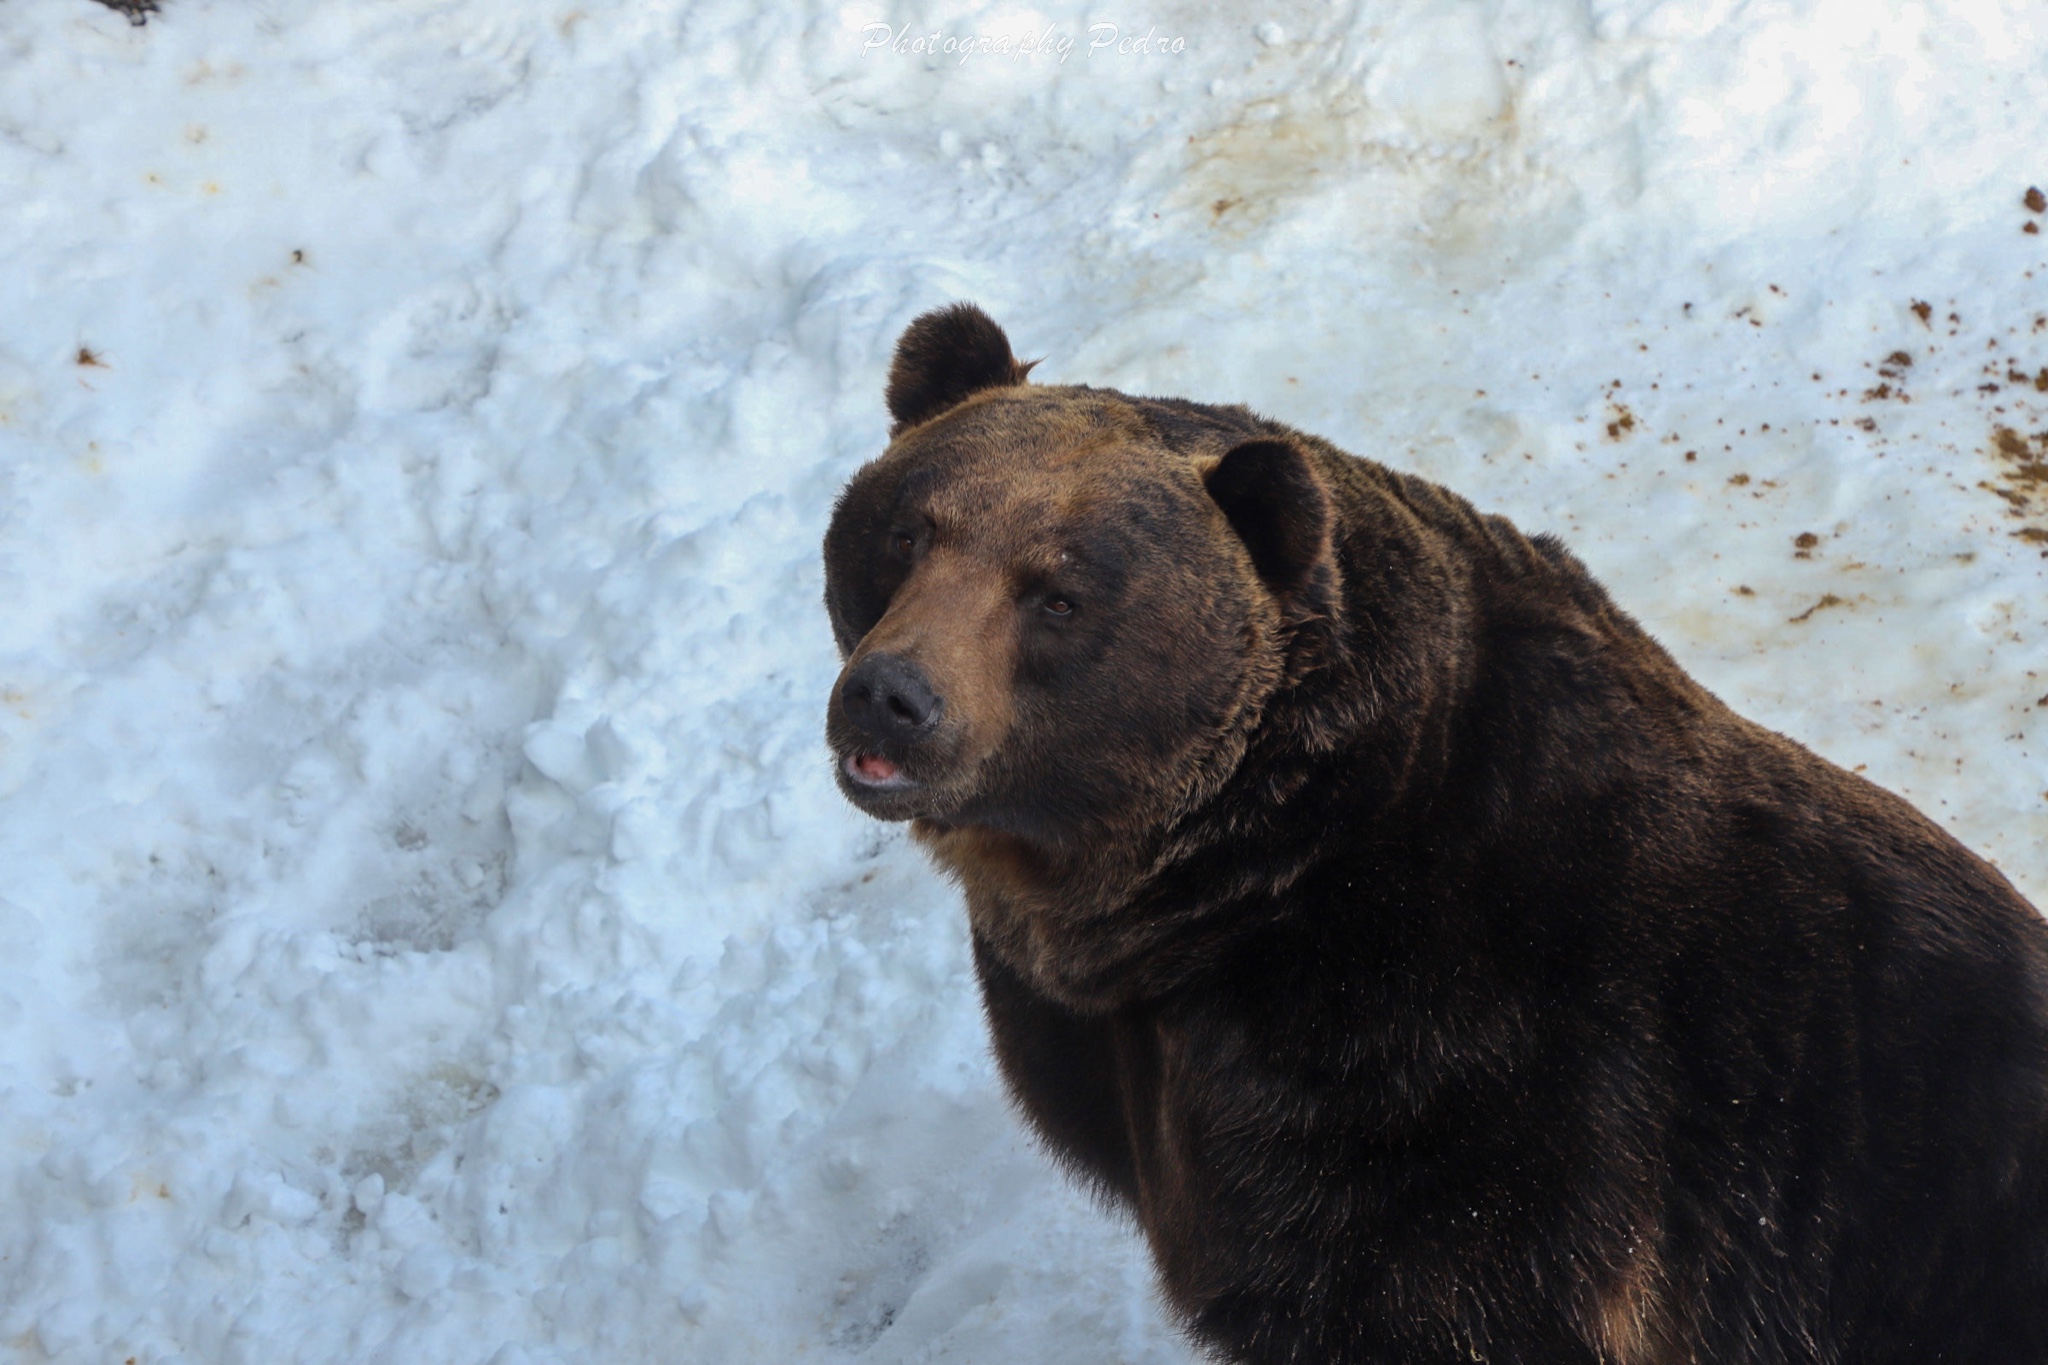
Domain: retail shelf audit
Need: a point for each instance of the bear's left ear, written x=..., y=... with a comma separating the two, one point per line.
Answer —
x=1278, y=507
x=944, y=357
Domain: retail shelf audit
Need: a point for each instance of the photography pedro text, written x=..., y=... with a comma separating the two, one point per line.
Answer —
x=1105, y=38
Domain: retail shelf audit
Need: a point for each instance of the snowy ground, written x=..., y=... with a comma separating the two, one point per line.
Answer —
x=428, y=930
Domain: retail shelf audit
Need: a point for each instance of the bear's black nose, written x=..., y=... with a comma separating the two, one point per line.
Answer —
x=889, y=697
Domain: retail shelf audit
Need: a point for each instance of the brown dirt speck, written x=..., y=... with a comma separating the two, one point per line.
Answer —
x=87, y=357
x=2010, y=444
x=138, y=11
x=2022, y=476
x=2035, y=201
x=1827, y=600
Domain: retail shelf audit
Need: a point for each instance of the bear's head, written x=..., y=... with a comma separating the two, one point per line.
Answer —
x=1061, y=609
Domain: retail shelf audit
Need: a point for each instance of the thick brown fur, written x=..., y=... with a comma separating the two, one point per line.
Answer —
x=1434, y=970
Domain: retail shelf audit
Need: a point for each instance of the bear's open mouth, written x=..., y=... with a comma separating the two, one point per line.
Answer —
x=875, y=772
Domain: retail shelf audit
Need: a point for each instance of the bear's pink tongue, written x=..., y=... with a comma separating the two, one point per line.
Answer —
x=873, y=767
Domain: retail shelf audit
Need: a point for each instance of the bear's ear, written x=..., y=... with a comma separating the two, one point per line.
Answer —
x=945, y=356
x=1278, y=507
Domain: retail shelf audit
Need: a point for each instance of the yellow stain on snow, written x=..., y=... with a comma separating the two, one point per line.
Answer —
x=203, y=71
x=142, y=1185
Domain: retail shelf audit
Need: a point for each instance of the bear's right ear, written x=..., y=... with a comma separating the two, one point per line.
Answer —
x=945, y=356
x=1278, y=507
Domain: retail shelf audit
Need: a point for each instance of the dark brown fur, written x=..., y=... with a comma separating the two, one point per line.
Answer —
x=1432, y=967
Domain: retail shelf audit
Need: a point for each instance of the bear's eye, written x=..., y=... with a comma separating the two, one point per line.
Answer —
x=903, y=542
x=1057, y=605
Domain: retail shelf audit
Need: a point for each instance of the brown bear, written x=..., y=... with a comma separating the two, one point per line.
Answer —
x=1434, y=970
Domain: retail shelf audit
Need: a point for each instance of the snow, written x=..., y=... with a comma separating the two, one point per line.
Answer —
x=428, y=928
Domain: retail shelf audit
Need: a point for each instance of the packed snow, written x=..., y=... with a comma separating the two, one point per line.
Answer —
x=428, y=928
